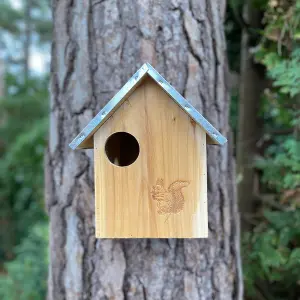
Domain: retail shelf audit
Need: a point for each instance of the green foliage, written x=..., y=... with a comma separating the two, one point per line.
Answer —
x=18, y=29
x=272, y=256
x=26, y=276
x=281, y=161
x=22, y=107
x=23, y=135
x=9, y=17
x=281, y=165
x=284, y=71
x=271, y=252
x=24, y=29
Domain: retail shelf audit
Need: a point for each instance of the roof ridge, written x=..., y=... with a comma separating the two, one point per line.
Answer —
x=128, y=88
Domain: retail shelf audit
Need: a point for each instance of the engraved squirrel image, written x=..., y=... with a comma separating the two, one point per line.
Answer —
x=170, y=200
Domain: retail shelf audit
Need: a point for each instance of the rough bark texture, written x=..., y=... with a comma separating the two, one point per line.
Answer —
x=97, y=46
x=249, y=129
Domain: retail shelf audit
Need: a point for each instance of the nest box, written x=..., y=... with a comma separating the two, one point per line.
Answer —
x=150, y=161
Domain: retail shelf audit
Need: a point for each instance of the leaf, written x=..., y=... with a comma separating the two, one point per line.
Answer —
x=294, y=259
x=278, y=220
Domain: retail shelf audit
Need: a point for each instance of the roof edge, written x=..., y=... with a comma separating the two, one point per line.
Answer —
x=109, y=108
x=128, y=88
x=214, y=134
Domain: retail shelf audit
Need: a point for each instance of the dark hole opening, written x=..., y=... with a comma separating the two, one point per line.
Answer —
x=122, y=149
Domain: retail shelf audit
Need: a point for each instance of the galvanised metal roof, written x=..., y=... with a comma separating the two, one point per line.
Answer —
x=82, y=141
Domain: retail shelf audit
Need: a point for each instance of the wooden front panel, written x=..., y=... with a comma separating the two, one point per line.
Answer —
x=163, y=194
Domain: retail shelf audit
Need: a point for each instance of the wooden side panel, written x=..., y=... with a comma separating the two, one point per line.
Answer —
x=163, y=194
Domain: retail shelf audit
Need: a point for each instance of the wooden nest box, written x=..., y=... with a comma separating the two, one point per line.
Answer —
x=150, y=161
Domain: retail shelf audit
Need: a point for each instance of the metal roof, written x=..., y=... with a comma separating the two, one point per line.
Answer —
x=82, y=141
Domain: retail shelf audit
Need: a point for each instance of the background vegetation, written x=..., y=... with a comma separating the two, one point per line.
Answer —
x=24, y=29
x=271, y=239
x=271, y=225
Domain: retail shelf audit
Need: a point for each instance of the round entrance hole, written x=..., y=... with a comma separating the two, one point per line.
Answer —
x=122, y=149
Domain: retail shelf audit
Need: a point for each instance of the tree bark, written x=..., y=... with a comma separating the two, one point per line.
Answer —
x=249, y=129
x=97, y=46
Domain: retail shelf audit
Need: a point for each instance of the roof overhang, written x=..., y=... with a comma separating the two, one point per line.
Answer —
x=84, y=138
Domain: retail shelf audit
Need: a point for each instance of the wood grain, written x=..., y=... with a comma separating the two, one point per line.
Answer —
x=172, y=153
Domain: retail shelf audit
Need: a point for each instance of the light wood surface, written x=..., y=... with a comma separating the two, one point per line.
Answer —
x=163, y=194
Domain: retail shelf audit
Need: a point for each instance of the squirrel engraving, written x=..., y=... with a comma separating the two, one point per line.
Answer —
x=169, y=200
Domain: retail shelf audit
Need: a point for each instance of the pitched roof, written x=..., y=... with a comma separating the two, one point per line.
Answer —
x=82, y=141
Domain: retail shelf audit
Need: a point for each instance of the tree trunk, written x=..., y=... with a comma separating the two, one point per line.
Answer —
x=249, y=129
x=27, y=38
x=97, y=46
x=2, y=78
